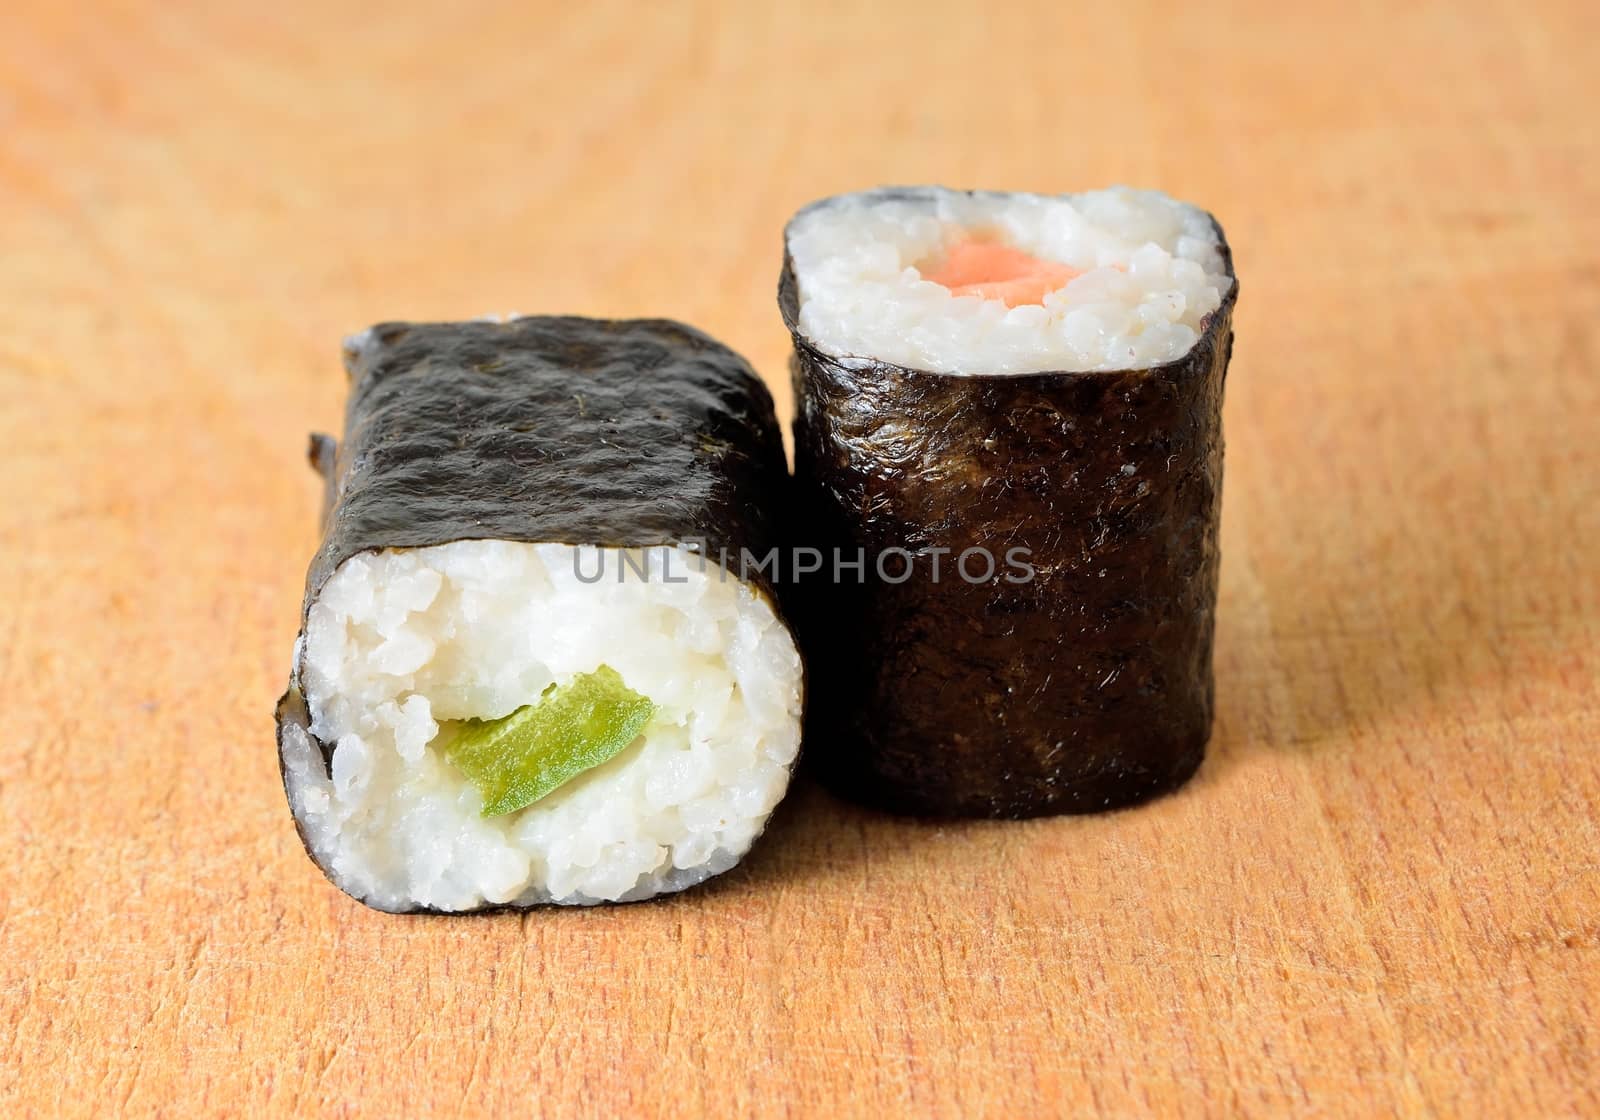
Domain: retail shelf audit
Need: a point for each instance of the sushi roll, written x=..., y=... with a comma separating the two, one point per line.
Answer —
x=524, y=674
x=1008, y=434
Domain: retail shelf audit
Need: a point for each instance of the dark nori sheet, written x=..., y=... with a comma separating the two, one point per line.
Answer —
x=1089, y=687
x=622, y=433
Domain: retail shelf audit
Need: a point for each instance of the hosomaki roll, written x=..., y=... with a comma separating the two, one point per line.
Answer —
x=522, y=675
x=1010, y=406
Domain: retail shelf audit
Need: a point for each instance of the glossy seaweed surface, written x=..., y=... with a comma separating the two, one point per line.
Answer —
x=627, y=434
x=1086, y=687
x=624, y=433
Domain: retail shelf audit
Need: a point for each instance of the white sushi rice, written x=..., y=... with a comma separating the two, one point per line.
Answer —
x=400, y=642
x=1151, y=266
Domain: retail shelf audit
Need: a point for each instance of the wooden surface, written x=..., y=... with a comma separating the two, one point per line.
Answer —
x=1381, y=894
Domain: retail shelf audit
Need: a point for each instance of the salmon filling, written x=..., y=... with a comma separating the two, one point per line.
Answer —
x=986, y=282
x=989, y=270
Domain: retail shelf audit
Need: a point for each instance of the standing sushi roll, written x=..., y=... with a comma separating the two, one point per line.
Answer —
x=1010, y=406
x=522, y=675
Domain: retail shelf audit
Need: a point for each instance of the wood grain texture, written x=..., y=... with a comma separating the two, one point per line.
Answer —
x=1381, y=895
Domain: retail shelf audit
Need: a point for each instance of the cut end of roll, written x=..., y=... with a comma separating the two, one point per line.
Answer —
x=993, y=282
x=401, y=646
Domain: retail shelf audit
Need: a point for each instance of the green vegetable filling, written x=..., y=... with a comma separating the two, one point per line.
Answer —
x=540, y=747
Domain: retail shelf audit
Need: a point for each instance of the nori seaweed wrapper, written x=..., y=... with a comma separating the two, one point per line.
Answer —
x=1087, y=687
x=617, y=433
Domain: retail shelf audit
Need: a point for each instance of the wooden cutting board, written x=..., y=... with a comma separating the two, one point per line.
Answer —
x=1381, y=894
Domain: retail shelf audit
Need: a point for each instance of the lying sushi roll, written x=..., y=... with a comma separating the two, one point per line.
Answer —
x=523, y=674
x=1008, y=405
